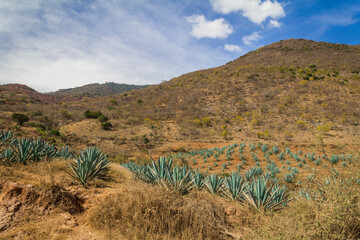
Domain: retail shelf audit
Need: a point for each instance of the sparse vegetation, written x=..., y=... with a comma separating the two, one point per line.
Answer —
x=234, y=145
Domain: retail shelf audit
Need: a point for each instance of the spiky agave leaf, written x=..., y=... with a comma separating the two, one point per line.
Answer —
x=91, y=164
x=5, y=136
x=180, y=180
x=213, y=183
x=162, y=168
x=142, y=172
x=7, y=157
x=42, y=149
x=263, y=197
x=253, y=172
x=199, y=179
x=65, y=153
x=23, y=149
x=234, y=186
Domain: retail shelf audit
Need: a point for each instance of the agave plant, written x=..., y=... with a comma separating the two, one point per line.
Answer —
x=7, y=157
x=31, y=150
x=180, y=180
x=234, y=186
x=65, y=153
x=42, y=149
x=334, y=159
x=91, y=164
x=253, y=172
x=5, y=136
x=142, y=172
x=23, y=150
x=276, y=149
x=308, y=195
x=281, y=156
x=273, y=169
x=199, y=179
x=262, y=197
x=161, y=169
x=289, y=177
x=213, y=183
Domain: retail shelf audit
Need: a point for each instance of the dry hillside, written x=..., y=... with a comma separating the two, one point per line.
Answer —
x=284, y=119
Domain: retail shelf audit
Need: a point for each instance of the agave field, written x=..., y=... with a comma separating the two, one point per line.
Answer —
x=259, y=159
x=263, y=177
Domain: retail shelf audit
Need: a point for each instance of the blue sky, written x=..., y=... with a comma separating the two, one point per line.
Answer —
x=49, y=45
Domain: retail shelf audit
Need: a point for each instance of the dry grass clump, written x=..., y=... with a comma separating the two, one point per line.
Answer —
x=158, y=214
x=336, y=216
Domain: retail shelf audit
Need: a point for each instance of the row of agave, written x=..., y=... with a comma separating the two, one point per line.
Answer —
x=299, y=156
x=89, y=165
x=28, y=150
x=258, y=192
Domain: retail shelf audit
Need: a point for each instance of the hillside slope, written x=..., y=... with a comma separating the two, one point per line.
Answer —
x=281, y=93
x=22, y=94
x=312, y=82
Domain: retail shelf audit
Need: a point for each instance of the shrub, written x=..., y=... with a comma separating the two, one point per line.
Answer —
x=55, y=132
x=92, y=114
x=102, y=118
x=38, y=125
x=20, y=118
x=113, y=102
x=206, y=121
x=91, y=164
x=301, y=124
x=196, y=122
x=65, y=114
x=106, y=125
x=36, y=113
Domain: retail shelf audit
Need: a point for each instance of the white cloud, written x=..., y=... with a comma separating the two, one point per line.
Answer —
x=202, y=28
x=273, y=24
x=254, y=37
x=49, y=45
x=256, y=11
x=232, y=48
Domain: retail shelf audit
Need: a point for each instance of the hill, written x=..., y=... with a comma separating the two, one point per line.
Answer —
x=97, y=89
x=285, y=92
x=22, y=94
x=291, y=84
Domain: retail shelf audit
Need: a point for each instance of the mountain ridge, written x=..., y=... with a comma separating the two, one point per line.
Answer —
x=97, y=89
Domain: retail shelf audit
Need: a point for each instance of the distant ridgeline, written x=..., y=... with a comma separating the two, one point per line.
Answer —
x=96, y=89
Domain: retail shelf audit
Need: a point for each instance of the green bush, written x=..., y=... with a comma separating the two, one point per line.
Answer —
x=106, y=125
x=113, y=102
x=37, y=125
x=92, y=114
x=20, y=118
x=102, y=118
x=36, y=113
x=55, y=132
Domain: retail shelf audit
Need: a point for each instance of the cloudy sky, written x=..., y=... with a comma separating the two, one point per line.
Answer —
x=53, y=44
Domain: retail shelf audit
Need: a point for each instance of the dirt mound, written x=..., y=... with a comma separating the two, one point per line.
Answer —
x=19, y=200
